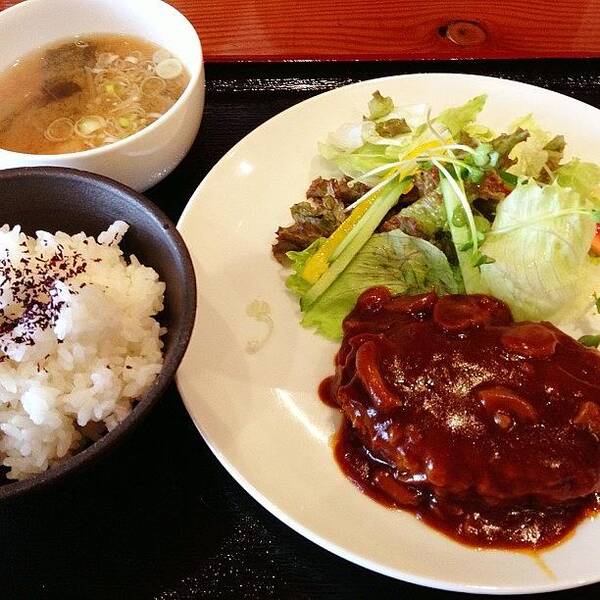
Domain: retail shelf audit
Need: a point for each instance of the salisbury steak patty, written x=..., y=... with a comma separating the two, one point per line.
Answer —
x=456, y=399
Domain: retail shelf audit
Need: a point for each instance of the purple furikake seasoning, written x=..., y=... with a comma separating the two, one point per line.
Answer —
x=34, y=294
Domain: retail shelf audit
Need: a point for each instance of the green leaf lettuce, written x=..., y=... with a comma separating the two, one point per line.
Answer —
x=406, y=265
x=583, y=177
x=457, y=118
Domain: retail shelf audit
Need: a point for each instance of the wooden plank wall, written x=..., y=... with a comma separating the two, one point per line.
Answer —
x=280, y=30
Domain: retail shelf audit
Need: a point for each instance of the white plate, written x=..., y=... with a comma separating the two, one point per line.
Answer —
x=260, y=413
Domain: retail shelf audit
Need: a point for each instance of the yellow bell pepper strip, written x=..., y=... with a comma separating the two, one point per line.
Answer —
x=342, y=236
x=365, y=229
x=423, y=148
x=351, y=234
x=319, y=261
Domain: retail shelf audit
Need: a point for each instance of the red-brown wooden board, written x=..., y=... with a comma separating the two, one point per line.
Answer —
x=278, y=30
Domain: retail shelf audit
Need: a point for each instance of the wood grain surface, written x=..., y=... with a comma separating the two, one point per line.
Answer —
x=281, y=30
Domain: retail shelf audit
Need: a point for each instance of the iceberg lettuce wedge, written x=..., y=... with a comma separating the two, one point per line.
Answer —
x=539, y=240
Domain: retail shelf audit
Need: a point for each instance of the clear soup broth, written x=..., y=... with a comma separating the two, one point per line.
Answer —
x=86, y=92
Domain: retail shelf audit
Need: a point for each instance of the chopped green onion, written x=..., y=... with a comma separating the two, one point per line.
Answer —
x=170, y=68
x=481, y=157
x=59, y=130
x=468, y=245
x=459, y=217
x=462, y=198
x=591, y=341
x=475, y=174
x=509, y=178
x=160, y=55
x=482, y=259
x=87, y=126
x=152, y=86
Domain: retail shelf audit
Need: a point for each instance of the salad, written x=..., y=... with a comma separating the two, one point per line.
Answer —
x=445, y=203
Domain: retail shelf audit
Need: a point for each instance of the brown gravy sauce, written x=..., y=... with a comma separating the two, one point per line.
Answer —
x=473, y=525
x=510, y=524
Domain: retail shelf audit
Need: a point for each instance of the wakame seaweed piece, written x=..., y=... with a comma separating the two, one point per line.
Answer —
x=64, y=60
x=62, y=69
x=504, y=144
x=60, y=89
x=392, y=127
x=318, y=218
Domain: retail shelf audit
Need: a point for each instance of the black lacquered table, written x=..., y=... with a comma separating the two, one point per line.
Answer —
x=161, y=518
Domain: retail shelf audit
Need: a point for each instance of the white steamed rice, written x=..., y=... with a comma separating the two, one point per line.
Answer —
x=78, y=342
